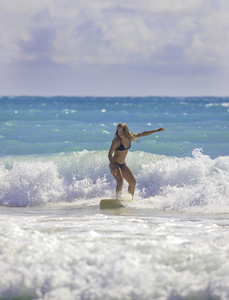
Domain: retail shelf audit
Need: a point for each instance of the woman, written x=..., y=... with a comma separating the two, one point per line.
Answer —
x=120, y=146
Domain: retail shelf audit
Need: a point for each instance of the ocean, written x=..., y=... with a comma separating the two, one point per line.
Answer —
x=171, y=243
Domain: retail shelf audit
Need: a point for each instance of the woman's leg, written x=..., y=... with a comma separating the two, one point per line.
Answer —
x=129, y=177
x=119, y=178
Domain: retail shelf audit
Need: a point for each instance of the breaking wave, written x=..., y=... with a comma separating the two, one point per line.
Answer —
x=196, y=183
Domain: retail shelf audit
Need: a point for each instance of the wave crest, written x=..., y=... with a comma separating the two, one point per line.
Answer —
x=196, y=183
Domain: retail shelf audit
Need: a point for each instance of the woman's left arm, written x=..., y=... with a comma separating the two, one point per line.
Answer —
x=145, y=133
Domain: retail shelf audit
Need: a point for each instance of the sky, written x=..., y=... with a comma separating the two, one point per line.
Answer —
x=114, y=47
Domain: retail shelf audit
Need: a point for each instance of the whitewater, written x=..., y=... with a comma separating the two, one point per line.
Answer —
x=170, y=243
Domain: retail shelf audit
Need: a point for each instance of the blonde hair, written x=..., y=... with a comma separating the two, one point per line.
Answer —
x=126, y=132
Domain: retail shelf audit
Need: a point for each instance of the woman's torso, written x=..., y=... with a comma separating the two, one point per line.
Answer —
x=121, y=151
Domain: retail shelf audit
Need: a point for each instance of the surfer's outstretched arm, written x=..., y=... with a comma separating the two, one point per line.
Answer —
x=145, y=133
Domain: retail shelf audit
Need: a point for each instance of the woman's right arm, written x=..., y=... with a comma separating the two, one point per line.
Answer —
x=110, y=155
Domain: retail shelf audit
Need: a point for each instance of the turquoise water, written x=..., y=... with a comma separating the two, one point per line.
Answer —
x=39, y=125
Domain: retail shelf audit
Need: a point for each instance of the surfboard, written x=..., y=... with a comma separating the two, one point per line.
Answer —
x=113, y=203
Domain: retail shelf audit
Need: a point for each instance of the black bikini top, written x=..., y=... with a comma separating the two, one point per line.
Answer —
x=122, y=148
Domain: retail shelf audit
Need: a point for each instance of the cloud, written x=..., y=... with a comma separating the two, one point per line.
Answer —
x=111, y=32
x=210, y=44
x=70, y=42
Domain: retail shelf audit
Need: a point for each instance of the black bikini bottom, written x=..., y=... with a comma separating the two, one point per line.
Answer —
x=120, y=165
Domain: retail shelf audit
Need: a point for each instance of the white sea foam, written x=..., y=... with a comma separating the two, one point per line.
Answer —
x=226, y=104
x=196, y=183
x=53, y=254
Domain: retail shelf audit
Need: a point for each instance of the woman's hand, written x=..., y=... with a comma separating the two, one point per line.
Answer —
x=113, y=169
x=161, y=129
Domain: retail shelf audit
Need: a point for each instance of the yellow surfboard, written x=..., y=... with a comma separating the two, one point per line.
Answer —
x=113, y=203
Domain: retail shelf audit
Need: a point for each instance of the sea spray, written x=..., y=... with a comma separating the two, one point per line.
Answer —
x=167, y=183
x=30, y=184
x=197, y=184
